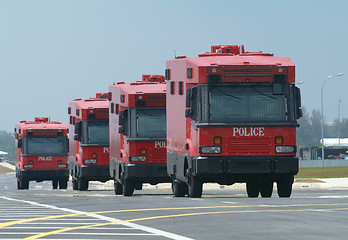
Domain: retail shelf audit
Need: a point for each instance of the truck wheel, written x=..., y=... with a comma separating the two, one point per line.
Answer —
x=284, y=186
x=24, y=183
x=195, y=187
x=117, y=187
x=55, y=184
x=63, y=184
x=128, y=188
x=83, y=184
x=179, y=188
x=19, y=185
x=266, y=188
x=253, y=189
x=75, y=185
x=138, y=185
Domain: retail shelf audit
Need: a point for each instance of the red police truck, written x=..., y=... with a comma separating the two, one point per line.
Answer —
x=138, y=134
x=232, y=117
x=41, y=152
x=89, y=140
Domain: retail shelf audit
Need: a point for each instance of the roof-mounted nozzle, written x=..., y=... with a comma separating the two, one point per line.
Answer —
x=101, y=95
x=41, y=119
x=229, y=49
x=223, y=50
x=153, y=78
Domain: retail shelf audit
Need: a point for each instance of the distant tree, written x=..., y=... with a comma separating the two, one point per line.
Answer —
x=7, y=144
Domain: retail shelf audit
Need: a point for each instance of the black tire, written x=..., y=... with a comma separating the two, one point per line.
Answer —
x=253, y=189
x=54, y=184
x=63, y=184
x=266, y=188
x=284, y=186
x=19, y=185
x=138, y=185
x=179, y=188
x=75, y=184
x=128, y=188
x=195, y=187
x=83, y=184
x=118, y=188
x=24, y=184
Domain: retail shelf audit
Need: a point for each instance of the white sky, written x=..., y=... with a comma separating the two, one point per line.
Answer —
x=54, y=51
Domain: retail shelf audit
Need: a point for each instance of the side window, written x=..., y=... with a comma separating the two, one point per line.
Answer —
x=172, y=87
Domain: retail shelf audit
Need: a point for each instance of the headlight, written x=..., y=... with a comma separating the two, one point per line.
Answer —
x=209, y=150
x=62, y=165
x=285, y=149
x=28, y=165
x=89, y=161
x=137, y=159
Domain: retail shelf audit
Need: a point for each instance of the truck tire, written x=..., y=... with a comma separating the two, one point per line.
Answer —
x=128, y=188
x=19, y=184
x=83, y=184
x=117, y=187
x=195, y=187
x=75, y=185
x=266, y=188
x=284, y=185
x=24, y=184
x=253, y=189
x=54, y=184
x=179, y=188
x=63, y=184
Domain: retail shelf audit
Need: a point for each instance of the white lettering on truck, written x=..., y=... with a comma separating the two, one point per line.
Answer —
x=44, y=158
x=106, y=150
x=248, y=131
x=160, y=144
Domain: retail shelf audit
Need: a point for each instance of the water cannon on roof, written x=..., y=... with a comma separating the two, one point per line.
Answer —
x=41, y=119
x=153, y=78
x=101, y=95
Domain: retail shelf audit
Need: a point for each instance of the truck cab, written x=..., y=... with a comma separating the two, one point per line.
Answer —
x=138, y=134
x=41, y=148
x=89, y=140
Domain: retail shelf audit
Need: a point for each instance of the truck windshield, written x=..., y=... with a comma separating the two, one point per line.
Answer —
x=46, y=146
x=151, y=123
x=246, y=103
x=95, y=132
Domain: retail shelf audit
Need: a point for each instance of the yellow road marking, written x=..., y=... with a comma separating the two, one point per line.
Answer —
x=6, y=224
x=176, y=215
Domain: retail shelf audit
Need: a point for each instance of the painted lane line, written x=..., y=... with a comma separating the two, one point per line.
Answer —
x=178, y=215
x=132, y=225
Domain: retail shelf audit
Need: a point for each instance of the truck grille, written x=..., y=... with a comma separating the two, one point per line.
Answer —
x=246, y=145
x=158, y=155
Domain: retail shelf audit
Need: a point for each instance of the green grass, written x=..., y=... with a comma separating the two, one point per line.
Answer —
x=328, y=172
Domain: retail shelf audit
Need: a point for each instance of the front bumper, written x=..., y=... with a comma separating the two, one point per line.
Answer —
x=147, y=173
x=42, y=175
x=243, y=168
x=94, y=172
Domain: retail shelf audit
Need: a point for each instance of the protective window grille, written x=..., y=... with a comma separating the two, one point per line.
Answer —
x=249, y=103
x=151, y=123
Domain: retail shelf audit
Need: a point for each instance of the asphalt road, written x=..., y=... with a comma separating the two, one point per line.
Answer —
x=43, y=213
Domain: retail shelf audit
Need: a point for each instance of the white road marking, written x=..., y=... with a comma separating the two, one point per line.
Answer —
x=108, y=219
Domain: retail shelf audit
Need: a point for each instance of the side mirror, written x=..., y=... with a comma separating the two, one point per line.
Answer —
x=121, y=118
x=188, y=113
x=19, y=144
x=188, y=97
x=76, y=137
x=121, y=130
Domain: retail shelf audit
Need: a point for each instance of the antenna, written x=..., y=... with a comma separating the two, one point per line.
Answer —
x=174, y=53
